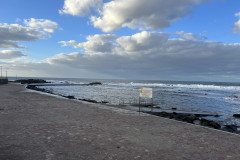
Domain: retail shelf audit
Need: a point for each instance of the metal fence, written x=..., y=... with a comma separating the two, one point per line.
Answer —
x=144, y=102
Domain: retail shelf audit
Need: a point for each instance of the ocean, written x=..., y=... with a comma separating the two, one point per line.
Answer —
x=222, y=98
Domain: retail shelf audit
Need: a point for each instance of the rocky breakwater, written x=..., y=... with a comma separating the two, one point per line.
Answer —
x=198, y=119
x=3, y=81
x=36, y=88
x=29, y=81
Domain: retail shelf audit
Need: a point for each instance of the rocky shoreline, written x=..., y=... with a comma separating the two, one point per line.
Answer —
x=197, y=119
x=34, y=87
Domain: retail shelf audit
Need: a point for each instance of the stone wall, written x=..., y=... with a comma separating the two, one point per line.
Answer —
x=3, y=81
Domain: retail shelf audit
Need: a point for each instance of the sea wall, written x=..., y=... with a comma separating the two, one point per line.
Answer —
x=3, y=81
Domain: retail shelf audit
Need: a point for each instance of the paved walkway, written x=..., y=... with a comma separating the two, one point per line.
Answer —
x=35, y=126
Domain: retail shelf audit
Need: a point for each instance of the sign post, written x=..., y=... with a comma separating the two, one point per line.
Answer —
x=146, y=93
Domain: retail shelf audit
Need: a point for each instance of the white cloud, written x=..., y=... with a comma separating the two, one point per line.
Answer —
x=144, y=42
x=188, y=36
x=9, y=54
x=80, y=7
x=11, y=34
x=96, y=43
x=71, y=57
x=44, y=24
x=237, y=14
x=142, y=14
x=135, y=14
x=236, y=25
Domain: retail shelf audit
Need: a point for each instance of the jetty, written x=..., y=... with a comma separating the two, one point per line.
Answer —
x=35, y=125
x=3, y=80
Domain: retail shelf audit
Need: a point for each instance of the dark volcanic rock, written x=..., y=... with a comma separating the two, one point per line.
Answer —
x=164, y=114
x=89, y=100
x=210, y=123
x=177, y=116
x=104, y=102
x=70, y=97
x=236, y=115
x=231, y=128
x=191, y=118
x=95, y=83
x=28, y=81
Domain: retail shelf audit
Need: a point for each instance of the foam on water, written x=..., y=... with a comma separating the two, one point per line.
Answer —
x=176, y=86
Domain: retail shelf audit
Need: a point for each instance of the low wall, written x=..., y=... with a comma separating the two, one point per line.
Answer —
x=3, y=81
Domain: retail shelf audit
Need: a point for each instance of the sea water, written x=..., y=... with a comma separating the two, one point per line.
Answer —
x=220, y=98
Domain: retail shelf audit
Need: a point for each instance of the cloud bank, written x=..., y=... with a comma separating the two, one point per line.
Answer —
x=148, y=55
x=9, y=54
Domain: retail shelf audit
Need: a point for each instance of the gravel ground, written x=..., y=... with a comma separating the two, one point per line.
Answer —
x=36, y=126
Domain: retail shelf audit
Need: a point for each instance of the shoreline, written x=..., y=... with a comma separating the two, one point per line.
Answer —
x=37, y=126
x=192, y=118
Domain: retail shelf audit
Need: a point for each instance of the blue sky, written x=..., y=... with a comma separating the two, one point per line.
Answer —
x=127, y=39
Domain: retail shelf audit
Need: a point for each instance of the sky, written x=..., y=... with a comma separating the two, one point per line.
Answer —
x=190, y=40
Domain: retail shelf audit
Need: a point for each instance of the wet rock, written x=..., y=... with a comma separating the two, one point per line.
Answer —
x=89, y=100
x=214, y=125
x=236, y=115
x=234, y=96
x=210, y=123
x=104, y=102
x=95, y=83
x=70, y=97
x=232, y=128
x=179, y=117
x=28, y=81
x=164, y=114
x=192, y=118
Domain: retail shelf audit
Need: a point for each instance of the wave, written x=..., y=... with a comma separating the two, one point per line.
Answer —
x=64, y=82
x=178, y=86
x=173, y=86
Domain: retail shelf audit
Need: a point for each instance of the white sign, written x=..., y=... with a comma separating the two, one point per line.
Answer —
x=145, y=92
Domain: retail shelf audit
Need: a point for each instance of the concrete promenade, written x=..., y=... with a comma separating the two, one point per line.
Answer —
x=35, y=126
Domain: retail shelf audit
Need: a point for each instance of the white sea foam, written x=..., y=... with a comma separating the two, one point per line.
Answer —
x=64, y=82
x=188, y=86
